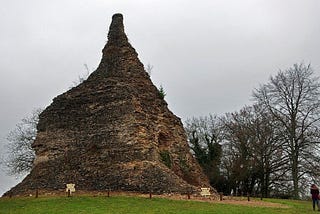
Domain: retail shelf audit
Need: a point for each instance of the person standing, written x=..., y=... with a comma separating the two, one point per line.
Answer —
x=314, y=190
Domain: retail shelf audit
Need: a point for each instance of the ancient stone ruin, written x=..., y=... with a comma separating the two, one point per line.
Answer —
x=113, y=131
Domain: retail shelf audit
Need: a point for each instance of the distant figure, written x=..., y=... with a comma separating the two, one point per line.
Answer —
x=314, y=190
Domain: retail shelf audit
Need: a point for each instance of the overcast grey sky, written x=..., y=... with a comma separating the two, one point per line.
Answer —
x=208, y=54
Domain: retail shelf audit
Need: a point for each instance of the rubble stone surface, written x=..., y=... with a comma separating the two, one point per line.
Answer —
x=112, y=131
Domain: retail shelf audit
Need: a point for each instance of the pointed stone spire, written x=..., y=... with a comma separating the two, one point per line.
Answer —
x=114, y=130
x=116, y=35
x=118, y=53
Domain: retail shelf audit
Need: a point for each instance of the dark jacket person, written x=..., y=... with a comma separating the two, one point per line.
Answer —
x=314, y=190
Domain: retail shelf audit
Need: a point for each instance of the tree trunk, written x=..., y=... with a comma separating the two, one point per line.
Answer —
x=295, y=176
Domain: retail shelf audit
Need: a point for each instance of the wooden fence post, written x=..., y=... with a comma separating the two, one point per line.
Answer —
x=221, y=196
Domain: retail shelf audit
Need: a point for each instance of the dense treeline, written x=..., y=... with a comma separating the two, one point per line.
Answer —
x=271, y=148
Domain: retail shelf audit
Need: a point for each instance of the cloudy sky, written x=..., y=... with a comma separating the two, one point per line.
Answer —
x=208, y=54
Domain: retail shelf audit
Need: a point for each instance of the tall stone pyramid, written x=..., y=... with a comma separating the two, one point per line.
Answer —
x=114, y=130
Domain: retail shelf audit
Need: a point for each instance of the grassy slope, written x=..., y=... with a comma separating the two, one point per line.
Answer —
x=122, y=204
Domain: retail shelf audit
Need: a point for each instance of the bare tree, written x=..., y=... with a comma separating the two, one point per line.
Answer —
x=20, y=153
x=205, y=137
x=149, y=69
x=82, y=77
x=292, y=97
x=252, y=153
x=239, y=155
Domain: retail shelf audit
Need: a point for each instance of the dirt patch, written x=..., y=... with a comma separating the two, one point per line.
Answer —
x=254, y=203
x=235, y=200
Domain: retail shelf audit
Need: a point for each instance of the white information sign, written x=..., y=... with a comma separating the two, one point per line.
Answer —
x=71, y=187
x=205, y=192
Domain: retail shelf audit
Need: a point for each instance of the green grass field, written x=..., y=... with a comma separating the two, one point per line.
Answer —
x=122, y=204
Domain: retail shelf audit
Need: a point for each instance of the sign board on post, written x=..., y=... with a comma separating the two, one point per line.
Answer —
x=205, y=192
x=70, y=188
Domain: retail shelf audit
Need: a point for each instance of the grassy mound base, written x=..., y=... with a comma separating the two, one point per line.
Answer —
x=133, y=204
